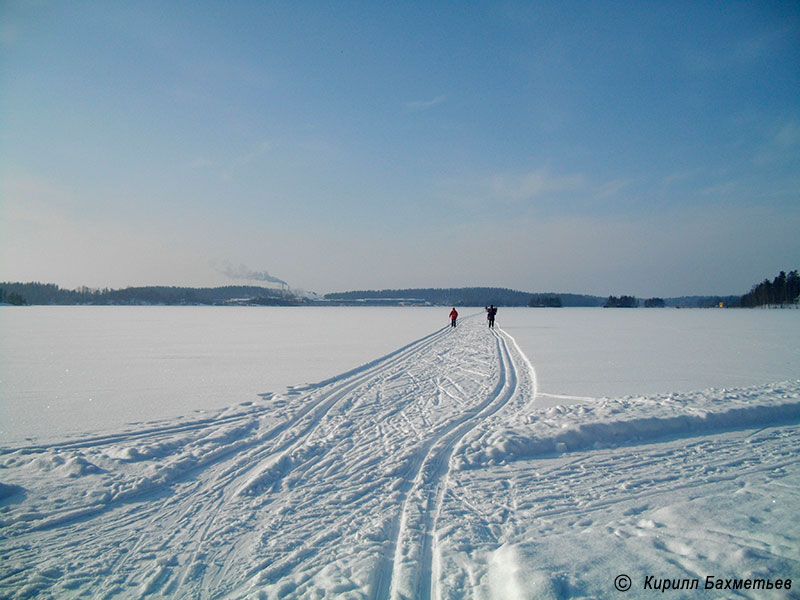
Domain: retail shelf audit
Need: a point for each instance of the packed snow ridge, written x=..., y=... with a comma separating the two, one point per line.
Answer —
x=428, y=473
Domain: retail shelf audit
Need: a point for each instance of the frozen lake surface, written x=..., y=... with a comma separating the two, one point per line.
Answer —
x=594, y=352
x=68, y=370
x=73, y=369
x=454, y=466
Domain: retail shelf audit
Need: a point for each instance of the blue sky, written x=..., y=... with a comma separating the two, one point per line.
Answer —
x=650, y=148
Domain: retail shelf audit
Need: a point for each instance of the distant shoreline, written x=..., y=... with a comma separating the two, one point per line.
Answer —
x=51, y=294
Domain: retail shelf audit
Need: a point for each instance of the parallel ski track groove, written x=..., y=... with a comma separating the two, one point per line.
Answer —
x=248, y=455
x=347, y=381
x=395, y=359
x=340, y=389
x=436, y=461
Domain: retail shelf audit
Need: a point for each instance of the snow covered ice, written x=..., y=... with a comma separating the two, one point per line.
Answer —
x=435, y=471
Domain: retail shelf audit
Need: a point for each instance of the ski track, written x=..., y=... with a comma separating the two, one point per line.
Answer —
x=413, y=570
x=349, y=488
x=205, y=525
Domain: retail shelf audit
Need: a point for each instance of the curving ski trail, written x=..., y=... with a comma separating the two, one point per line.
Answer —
x=414, y=566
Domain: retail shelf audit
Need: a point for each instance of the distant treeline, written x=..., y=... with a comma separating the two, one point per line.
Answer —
x=679, y=302
x=546, y=301
x=684, y=301
x=781, y=291
x=784, y=290
x=11, y=298
x=48, y=293
x=474, y=296
x=621, y=302
x=505, y=297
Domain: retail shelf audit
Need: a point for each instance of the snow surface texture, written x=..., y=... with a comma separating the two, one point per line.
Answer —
x=66, y=370
x=428, y=473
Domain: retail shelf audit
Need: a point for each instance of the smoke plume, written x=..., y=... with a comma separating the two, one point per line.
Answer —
x=243, y=272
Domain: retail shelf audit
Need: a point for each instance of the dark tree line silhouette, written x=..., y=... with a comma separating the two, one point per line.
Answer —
x=48, y=293
x=470, y=296
x=783, y=290
x=546, y=301
x=621, y=302
x=11, y=298
x=654, y=303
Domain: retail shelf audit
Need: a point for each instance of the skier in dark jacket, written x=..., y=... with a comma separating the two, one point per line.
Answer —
x=453, y=317
x=491, y=312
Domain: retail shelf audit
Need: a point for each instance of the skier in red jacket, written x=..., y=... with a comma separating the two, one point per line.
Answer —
x=453, y=317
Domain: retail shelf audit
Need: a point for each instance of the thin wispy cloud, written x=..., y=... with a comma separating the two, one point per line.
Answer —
x=745, y=52
x=788, y=135
x=680, y=176
x=199, y=163
x=423, y=105
x=780, y=145
x=228, y=166
x=534, y=184
x=612, y=189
